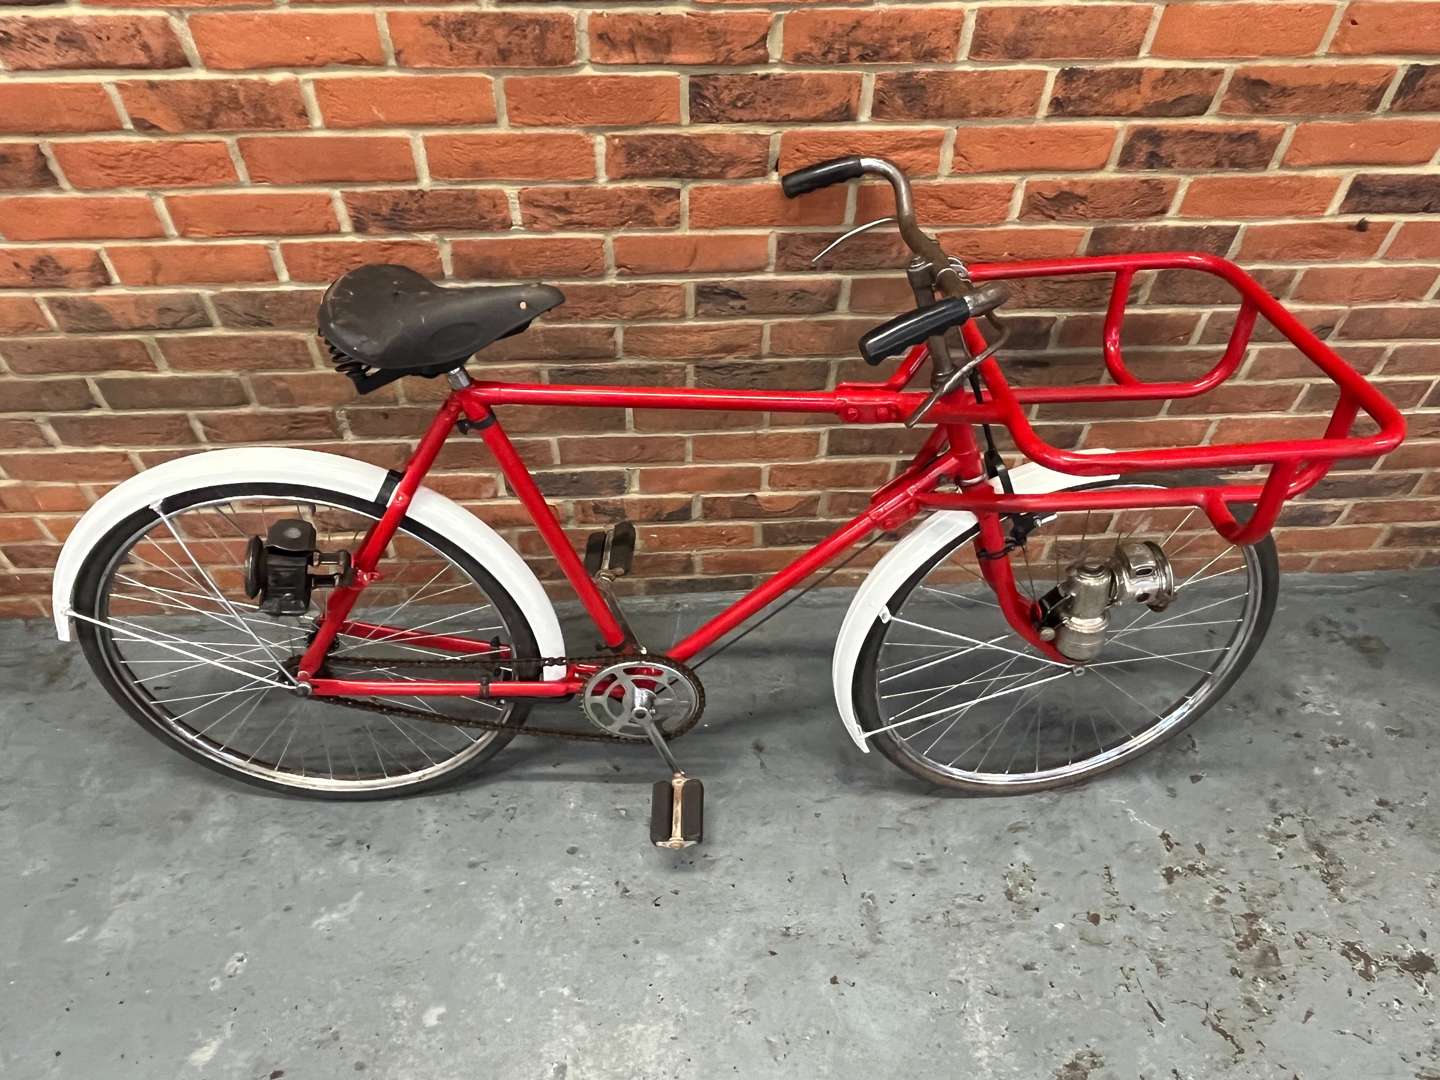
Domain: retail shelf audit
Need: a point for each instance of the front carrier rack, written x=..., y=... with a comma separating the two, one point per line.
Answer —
x=1294, y=465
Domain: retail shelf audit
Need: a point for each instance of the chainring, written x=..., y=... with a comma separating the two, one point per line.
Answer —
x=666, y=690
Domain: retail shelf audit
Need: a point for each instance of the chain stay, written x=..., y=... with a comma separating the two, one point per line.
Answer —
x=569, y=734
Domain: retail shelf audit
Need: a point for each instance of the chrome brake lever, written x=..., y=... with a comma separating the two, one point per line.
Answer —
x=852, y=233
x=959, y=374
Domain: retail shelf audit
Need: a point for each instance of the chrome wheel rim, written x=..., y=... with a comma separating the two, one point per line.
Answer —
x=176, y=583
x=962, y=695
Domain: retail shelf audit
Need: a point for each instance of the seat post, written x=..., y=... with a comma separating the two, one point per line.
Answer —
x=459, y=379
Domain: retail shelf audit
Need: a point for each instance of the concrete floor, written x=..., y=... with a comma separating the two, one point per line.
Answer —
x=1255, y=901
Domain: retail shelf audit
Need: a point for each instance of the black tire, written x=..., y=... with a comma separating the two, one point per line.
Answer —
x=865, y=682
x=93, y=639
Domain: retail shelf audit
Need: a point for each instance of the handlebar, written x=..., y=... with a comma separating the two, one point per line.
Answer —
x=841, y=169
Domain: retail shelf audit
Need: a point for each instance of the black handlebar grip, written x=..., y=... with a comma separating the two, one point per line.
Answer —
x=823, y=174
x=913, y=327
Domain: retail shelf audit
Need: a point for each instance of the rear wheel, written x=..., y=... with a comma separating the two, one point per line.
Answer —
x=187, y=653
x=945, y=689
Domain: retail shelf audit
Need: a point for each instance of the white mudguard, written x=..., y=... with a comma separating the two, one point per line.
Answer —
x=938, y=530
x=275, y=465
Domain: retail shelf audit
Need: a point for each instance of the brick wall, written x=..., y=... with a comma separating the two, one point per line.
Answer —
x=181, y=181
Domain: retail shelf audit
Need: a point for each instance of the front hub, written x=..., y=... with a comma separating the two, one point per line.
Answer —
x=1077, y=612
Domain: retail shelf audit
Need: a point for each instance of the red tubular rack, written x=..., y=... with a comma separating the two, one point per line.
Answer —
x=1295, y=465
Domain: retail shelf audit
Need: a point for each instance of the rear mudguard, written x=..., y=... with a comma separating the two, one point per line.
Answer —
x=275, y=465
x=906, y=557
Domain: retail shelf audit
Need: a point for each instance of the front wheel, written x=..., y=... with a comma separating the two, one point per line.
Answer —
x=945, y=689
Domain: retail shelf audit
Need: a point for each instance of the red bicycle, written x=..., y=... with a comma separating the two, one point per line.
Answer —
x=321, y=626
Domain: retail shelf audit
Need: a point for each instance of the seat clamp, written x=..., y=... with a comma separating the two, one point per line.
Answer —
x=466, y=425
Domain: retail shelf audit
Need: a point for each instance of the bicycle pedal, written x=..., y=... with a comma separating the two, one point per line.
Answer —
x=622, y=549
x=677, y=811
x=595, y=553
x=612, y=552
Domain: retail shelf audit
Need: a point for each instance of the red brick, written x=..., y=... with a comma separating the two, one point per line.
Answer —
x=145, y=163
x=1311, y=241
x=36, y=395
x=190, y=263
x=109, y=312
x=1364, y=142
x=689, y=155
x=679, y=38
x=892, y=35
x=97, y=466
x=427, y=209
x=817, y=337
x=1393, y=193
x=827, y=475
x=85, y=41
x=1002, y=245
x=23, y=168
x=692, y=253
x=51, y=268
x=616, y=302
x=529, y=257
x=1107, y=31
x=1206, y=147
x=607, y=207
x=51, y=355
x=508, y=156
x=691, y=341
x=285, y=39
x=715, y=206
x=960, y=95
x=946, y=203
x=1364, y=285
x=286, y=427
x=1419, y=90
x=1378, y=27
x=1296, y=195
x=1133, y=91
x=766, y=296
x=915, y=150
x=360, y=101
x=1415, y=240
x=574, y=100
x=1307, y=90
x=324, y=260
x=431, y=39
x=314, y=159
x=267, y=309
x=1092, y=200
x=1241, y=29
x=45, y=107
x=774, y=98
x=1030, y=147
x=77, y=217
x=236, y=352
x=20, y=315
x=172, y=391
x=693, y=478
x=252, y=213
x=1383, y=323
x=109, y=429
x=214, y=104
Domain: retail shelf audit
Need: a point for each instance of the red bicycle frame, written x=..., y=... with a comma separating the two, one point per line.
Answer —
x=949, y=456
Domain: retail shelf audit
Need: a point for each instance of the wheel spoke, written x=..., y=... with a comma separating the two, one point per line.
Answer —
x=960, y=678
x=205, y=664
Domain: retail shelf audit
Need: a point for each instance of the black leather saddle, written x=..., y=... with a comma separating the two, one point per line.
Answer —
x=383, y=322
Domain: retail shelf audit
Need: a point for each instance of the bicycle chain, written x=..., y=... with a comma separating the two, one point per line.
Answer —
x=541, y=663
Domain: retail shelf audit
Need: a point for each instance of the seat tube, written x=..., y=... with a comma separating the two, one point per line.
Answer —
x=482, y=419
